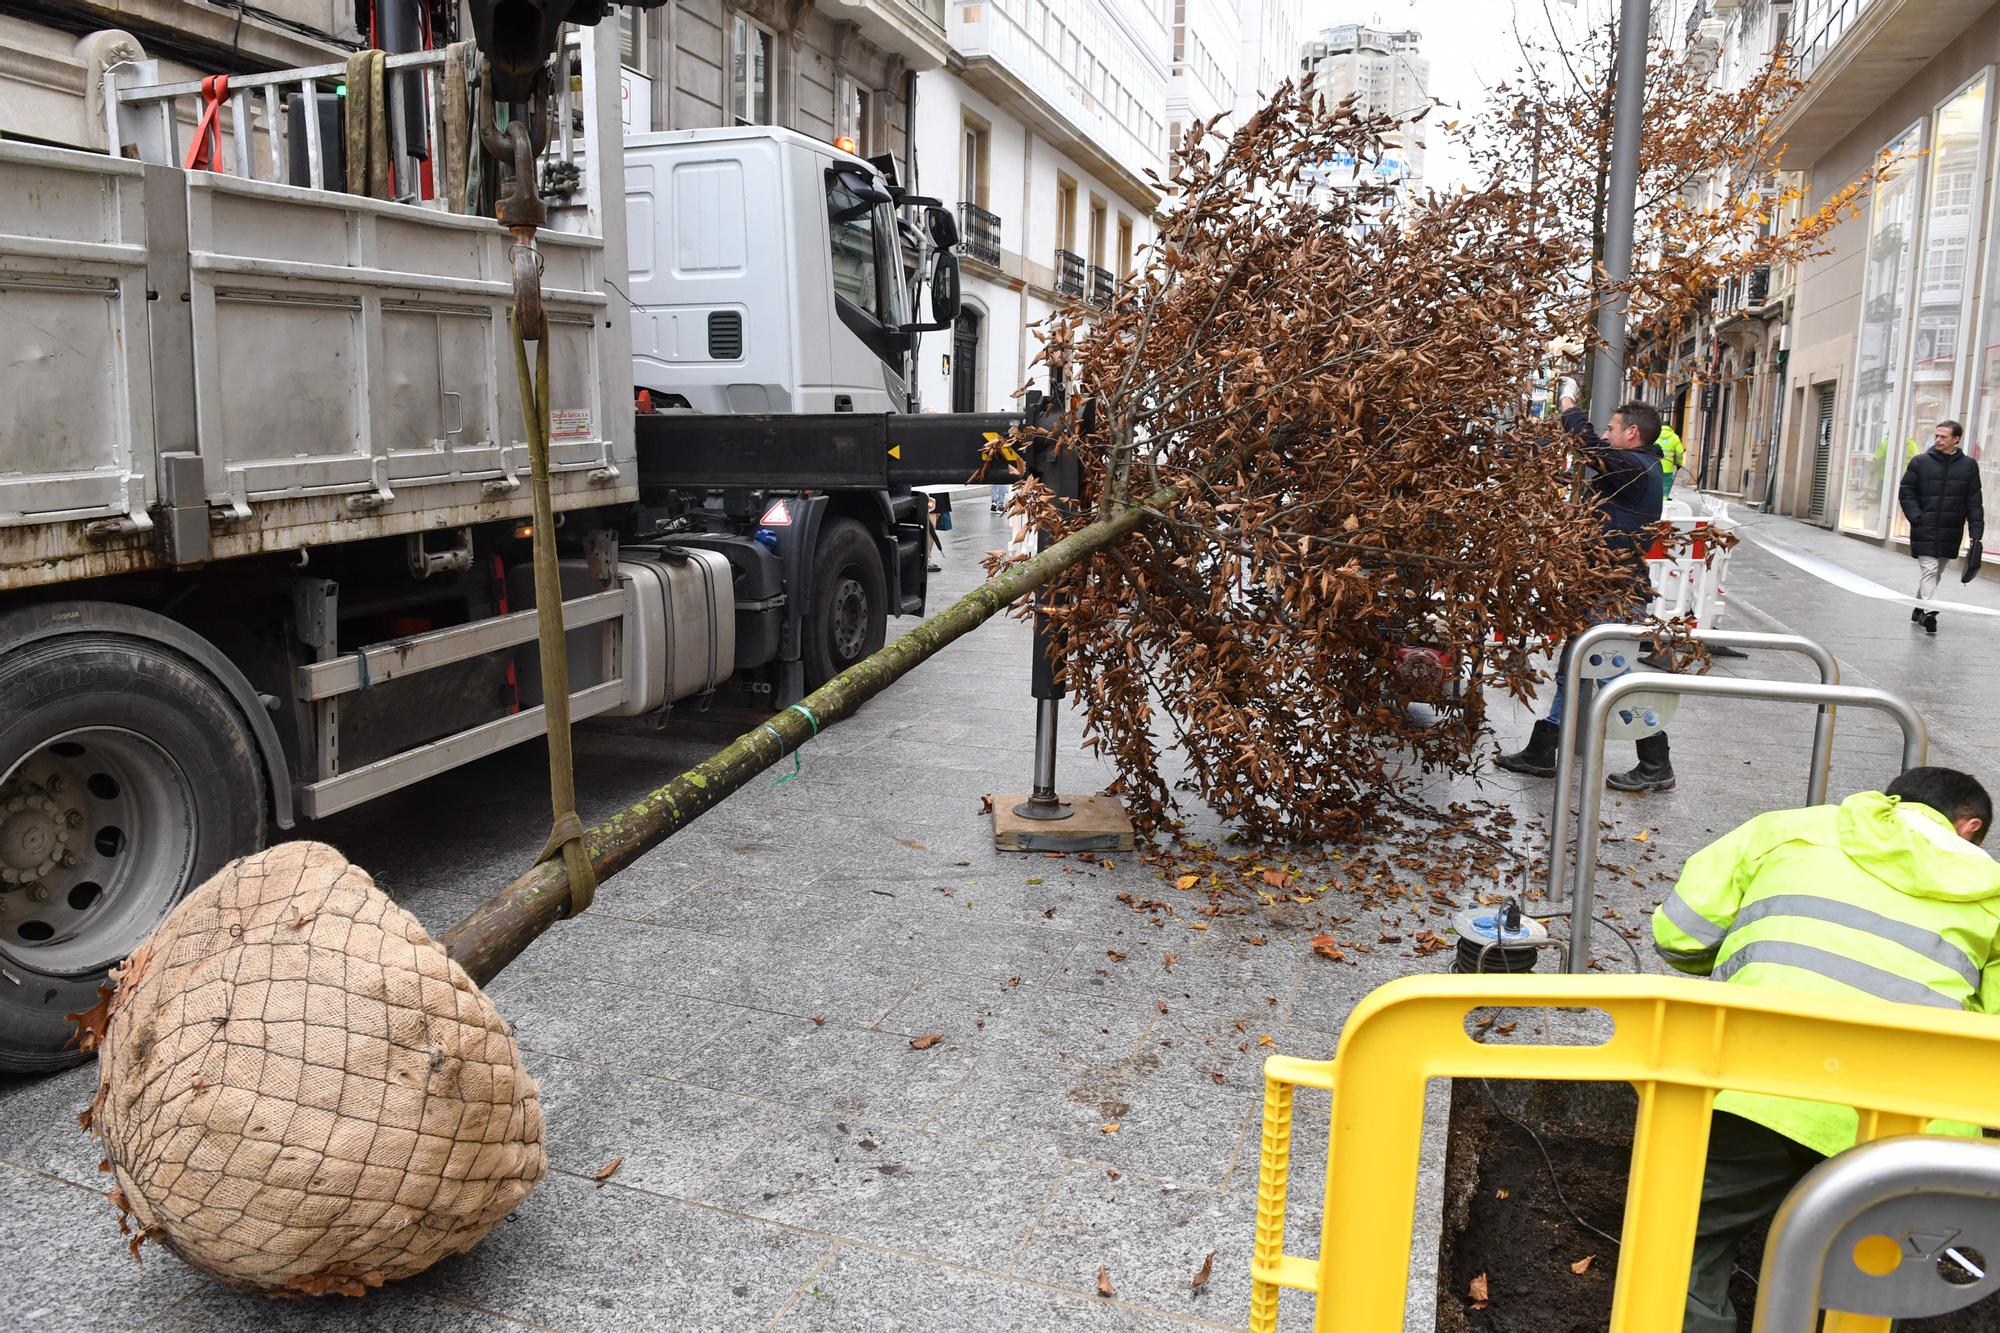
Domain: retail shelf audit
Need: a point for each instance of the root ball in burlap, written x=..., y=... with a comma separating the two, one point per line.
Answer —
x=299, y=1092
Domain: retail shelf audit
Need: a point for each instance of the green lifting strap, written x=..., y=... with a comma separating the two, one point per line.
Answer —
x=566, y=831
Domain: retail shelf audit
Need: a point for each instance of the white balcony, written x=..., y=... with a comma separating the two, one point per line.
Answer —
x=910, y=29
x=1008, y=64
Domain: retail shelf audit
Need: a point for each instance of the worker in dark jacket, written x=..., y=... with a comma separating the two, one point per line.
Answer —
x=1940, y=498
x=1625, y=472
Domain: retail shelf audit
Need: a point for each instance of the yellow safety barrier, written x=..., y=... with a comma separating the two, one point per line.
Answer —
x=1678, y=1041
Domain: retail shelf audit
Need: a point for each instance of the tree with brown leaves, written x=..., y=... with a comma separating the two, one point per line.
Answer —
x=1319, y=398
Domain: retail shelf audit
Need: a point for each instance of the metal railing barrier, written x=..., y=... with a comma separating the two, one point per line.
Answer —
x=1902, y=1228
x=1646, y=718
x=1606, y=650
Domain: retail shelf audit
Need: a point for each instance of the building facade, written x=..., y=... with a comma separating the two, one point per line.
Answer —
x=1387, y=74
x=1270, y=33
x=1039, y=132
x=840, y=69
x=1898, y=327
x=1207, y=41
x=1719, y=381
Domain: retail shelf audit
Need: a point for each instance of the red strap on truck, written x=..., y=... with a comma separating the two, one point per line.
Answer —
x=206, y=151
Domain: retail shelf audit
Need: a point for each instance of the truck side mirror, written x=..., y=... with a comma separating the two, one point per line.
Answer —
x=943, y=227
x=945, y=294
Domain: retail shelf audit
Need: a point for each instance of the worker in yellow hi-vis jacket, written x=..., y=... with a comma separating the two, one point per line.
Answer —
x=1886, y=894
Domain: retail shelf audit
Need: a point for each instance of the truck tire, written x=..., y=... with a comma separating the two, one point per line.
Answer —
x=127, y=777
x=849, y=617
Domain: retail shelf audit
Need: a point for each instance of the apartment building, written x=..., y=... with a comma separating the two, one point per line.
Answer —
x=1387, y=74
x=1040, y=131
x=1207, y=41
x=1267, y=53
x=1899, y=327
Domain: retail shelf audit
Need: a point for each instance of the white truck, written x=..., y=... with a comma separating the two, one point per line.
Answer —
x=264, y=533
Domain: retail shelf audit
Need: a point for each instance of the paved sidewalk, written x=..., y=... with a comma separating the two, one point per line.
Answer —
x=734, y=1019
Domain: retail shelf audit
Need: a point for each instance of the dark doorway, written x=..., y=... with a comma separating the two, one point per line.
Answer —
x=965, y=362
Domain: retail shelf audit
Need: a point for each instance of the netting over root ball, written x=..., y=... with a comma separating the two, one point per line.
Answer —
x=300, y=1093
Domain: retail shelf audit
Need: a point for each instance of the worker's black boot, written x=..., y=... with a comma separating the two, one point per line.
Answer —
x=1538, y=757
x=1654, y=771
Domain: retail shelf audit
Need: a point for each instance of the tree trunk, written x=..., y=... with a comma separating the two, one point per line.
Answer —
x=498, y=929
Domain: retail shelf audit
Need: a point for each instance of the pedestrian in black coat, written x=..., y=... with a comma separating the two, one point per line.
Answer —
x=1940, y=497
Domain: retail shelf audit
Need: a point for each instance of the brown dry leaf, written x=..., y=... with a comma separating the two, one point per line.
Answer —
x=986, y=805
x=1327, y=947
x=609, y=1170
x=1187, y=881
x=1168, y=960
x=1201, y=1278
x=1111, y=1172
x=1499, y=1194
x=1277, y=879
x=1104, y=1287
x=1111, y=1128
x=1114, y=955
x=1265, y=1040
x=925, y=1042
x=1010, y=983
x=1478, y=1292
x=819, y=1020
x=1257, y=940
x=1640, y=836
x=912, y=844
x=1048, y=912
x=1582, y=1265
x=1216, y=1075
x=1162, y=1004
x=1506, y=1029
x=91, y=1022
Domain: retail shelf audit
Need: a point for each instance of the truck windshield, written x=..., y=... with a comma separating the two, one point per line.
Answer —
x=867, y=267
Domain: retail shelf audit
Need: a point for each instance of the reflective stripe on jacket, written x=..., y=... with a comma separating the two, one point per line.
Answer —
x=1873, y=896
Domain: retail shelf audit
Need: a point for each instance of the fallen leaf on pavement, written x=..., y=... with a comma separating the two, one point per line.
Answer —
x=1499, y=1194
x=819, y=1020
x=1168, y=960
x=1277, y=879
x=1216, y=1075
x=607, y=1172
x=1327, y=947
x=910, y=843
x=1582, y=1265
x=1640, y=836
x=1114, y=955
x=925, y=1042
x=986, y=805
x=1265, y=1040
x=1478, y=1292
x=1111, y=1171
x=1201, y=1278
x=1113, y=1127
x=1187, y=881
x=1257, y=940
x=1104, y=1287
x=1049, y=912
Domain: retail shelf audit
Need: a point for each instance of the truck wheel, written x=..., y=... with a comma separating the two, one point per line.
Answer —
x=127, y=777
x=850, y=607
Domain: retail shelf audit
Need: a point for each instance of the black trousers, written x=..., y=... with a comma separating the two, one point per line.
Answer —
x=1749, y=1172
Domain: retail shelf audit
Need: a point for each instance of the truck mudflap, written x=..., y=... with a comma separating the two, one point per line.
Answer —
x=826, y=452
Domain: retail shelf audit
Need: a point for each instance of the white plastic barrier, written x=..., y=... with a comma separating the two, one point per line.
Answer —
x=1690, y=581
